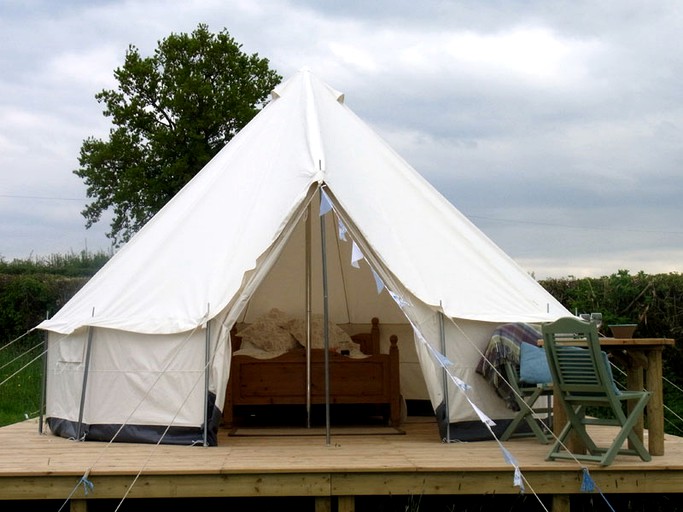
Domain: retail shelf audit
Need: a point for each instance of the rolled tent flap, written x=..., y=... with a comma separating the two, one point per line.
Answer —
x=231, y=242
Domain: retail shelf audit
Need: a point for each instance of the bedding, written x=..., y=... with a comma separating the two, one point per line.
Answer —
x=269, y=366
x=505, y=346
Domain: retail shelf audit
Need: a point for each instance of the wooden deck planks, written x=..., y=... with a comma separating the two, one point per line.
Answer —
x=34, y=466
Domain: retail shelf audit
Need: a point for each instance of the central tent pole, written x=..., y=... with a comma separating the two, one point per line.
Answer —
x=308, y=317
x=326, y=334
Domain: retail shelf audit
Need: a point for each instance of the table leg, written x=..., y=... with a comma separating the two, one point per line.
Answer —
x=635, y=382
x=559, y=416
x=573, y=443
x=655, y=407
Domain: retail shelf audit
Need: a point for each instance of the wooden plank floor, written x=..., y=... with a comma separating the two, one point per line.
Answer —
x=34, y=466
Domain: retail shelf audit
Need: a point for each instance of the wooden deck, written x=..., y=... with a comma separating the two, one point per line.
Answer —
x=45, y=467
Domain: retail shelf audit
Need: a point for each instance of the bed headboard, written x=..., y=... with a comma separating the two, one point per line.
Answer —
x=369, y=341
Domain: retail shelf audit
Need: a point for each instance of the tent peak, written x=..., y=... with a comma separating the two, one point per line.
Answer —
x=305, y=78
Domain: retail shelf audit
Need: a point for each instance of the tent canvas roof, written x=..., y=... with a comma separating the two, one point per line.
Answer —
x=194, y=254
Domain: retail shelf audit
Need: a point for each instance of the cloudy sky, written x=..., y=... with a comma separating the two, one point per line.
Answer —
x=555, y=126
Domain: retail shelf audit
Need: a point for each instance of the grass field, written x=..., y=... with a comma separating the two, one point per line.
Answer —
x=21, y=368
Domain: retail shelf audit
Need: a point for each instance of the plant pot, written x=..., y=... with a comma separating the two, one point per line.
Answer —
x=623, y=330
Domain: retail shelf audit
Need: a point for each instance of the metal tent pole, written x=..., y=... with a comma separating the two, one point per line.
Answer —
x=85, y=382
x=326, y=333
x=43, y=384
x=444, y=376
x=207, y=348
x=308, y=316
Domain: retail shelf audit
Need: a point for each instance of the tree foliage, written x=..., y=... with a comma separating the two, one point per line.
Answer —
x=172, y=112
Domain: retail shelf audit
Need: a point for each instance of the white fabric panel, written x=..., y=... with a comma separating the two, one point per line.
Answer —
x=467, y=343
x=133, y=379
x=65, y=366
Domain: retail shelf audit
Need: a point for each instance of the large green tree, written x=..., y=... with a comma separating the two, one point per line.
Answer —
x=172, y=112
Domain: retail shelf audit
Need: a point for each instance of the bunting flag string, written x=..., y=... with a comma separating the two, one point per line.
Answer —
x=326, y=206
x=518, y=480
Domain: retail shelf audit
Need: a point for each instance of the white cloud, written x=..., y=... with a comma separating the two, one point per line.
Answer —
x=89, y=68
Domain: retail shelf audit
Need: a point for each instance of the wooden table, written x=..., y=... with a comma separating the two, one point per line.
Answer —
x=642, y=358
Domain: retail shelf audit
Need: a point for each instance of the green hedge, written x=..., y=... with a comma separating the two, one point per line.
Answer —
x=26, y=300
x=32, y=289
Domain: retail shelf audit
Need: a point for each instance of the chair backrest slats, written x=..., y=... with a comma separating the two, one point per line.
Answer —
x=578, y=369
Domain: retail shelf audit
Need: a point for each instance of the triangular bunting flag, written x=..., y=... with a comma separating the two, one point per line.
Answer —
x=517, y=480
x=325, y=203
x=378, y=282
x=342, y=230
x=483, y=417
x=356, y=255
x=587, y=483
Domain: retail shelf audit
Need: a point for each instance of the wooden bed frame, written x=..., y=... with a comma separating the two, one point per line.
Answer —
x=282, y=379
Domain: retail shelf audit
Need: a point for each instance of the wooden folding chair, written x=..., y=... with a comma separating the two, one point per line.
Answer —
x=582, y=379
x=526, y=396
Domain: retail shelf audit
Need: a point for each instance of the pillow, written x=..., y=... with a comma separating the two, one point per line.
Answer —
x=339, y=338
x=267, y=333
x=533, y=365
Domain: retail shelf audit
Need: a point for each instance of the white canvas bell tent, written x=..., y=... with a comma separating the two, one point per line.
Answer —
x=142, y=351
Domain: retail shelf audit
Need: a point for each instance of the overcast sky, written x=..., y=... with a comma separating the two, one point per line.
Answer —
x=556, y=127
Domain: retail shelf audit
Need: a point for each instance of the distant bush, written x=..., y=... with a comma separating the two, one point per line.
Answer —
x=83, y=264
x=34, y=288
x=654, y=302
